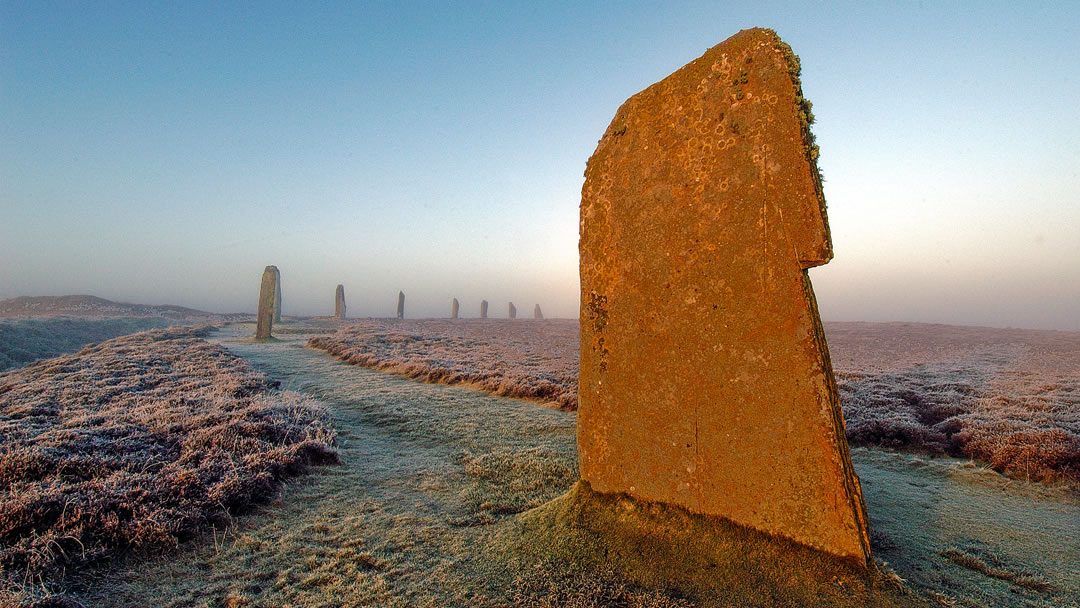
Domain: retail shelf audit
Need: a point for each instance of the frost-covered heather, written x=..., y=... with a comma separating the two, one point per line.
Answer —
x=529, y=359
x=1007, y=397
x=140, y=441
x=24, y=341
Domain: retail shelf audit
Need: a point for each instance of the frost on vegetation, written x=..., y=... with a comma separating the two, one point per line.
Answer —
x=26, y=340
x=1007, y=397
x=526, y=359
x=992, y=566
x=506, y=482
x=546, y=587
x=139, y=442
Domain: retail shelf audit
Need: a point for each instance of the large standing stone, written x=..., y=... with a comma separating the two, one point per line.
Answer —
x=454, y=309
x=401, y=304
x=483, y=309
x=339, y=302
x=264, y=321
x=536, y=313
x=705, y=376
x=277, y=295
x=512, y=311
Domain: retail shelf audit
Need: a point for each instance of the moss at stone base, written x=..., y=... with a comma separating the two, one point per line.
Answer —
x=703, y=560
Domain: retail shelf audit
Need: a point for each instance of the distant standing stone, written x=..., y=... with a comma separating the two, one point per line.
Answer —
x=277, y=295
x=454, y=309
x=264, y=320
x=705, y=377
x=339, y=302
x=483, y=309
x=513, y=311
x=401, y=304
x=536, y=313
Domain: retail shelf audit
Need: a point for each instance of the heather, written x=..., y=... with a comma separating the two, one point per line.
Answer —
x=1007, y=397
x=528, y=359
x=429, y=508
x=25, y=341
x=138, y=443
x=433, y=505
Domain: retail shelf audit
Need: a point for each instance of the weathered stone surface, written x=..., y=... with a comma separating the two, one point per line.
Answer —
x=483, y=309
x=264, y=320
x=705, y=378
x=454, y=309
x=277, y=295
x=512, y=312
x=339, y=302
x=401, y=304
x=537, y=314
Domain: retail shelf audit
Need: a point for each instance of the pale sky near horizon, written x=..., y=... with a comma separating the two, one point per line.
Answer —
x=166, y=154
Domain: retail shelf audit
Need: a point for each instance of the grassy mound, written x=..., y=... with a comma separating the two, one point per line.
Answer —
x=137, y=442
x=591, y=546
x=26, y=341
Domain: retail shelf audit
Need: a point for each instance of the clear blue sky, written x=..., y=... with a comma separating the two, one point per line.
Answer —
x=163, y=154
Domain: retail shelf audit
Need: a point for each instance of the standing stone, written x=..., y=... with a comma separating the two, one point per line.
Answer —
x=513, y=311
x=264, y=321
x=401, y=304
x=705, y=376
x=536, y=313
x=277, y=295
x=454, y=309
x=483, y=309
x=339, y=302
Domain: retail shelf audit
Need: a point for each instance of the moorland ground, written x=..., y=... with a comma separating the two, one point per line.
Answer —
x=1006, y=397
x=137, y=443
x=444, y=497
x=23, y=341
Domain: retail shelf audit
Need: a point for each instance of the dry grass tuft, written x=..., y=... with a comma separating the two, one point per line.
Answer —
x=995, y=570
x=138, y=442
x=505, y=482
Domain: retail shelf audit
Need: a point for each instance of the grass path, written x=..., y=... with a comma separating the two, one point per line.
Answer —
x=432, y=473
x=424, y=466
x=971, y=533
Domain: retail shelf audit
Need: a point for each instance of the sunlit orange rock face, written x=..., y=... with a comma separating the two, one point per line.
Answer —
x=705, y=377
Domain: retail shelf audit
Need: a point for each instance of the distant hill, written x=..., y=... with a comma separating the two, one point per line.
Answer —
x=93, y=306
